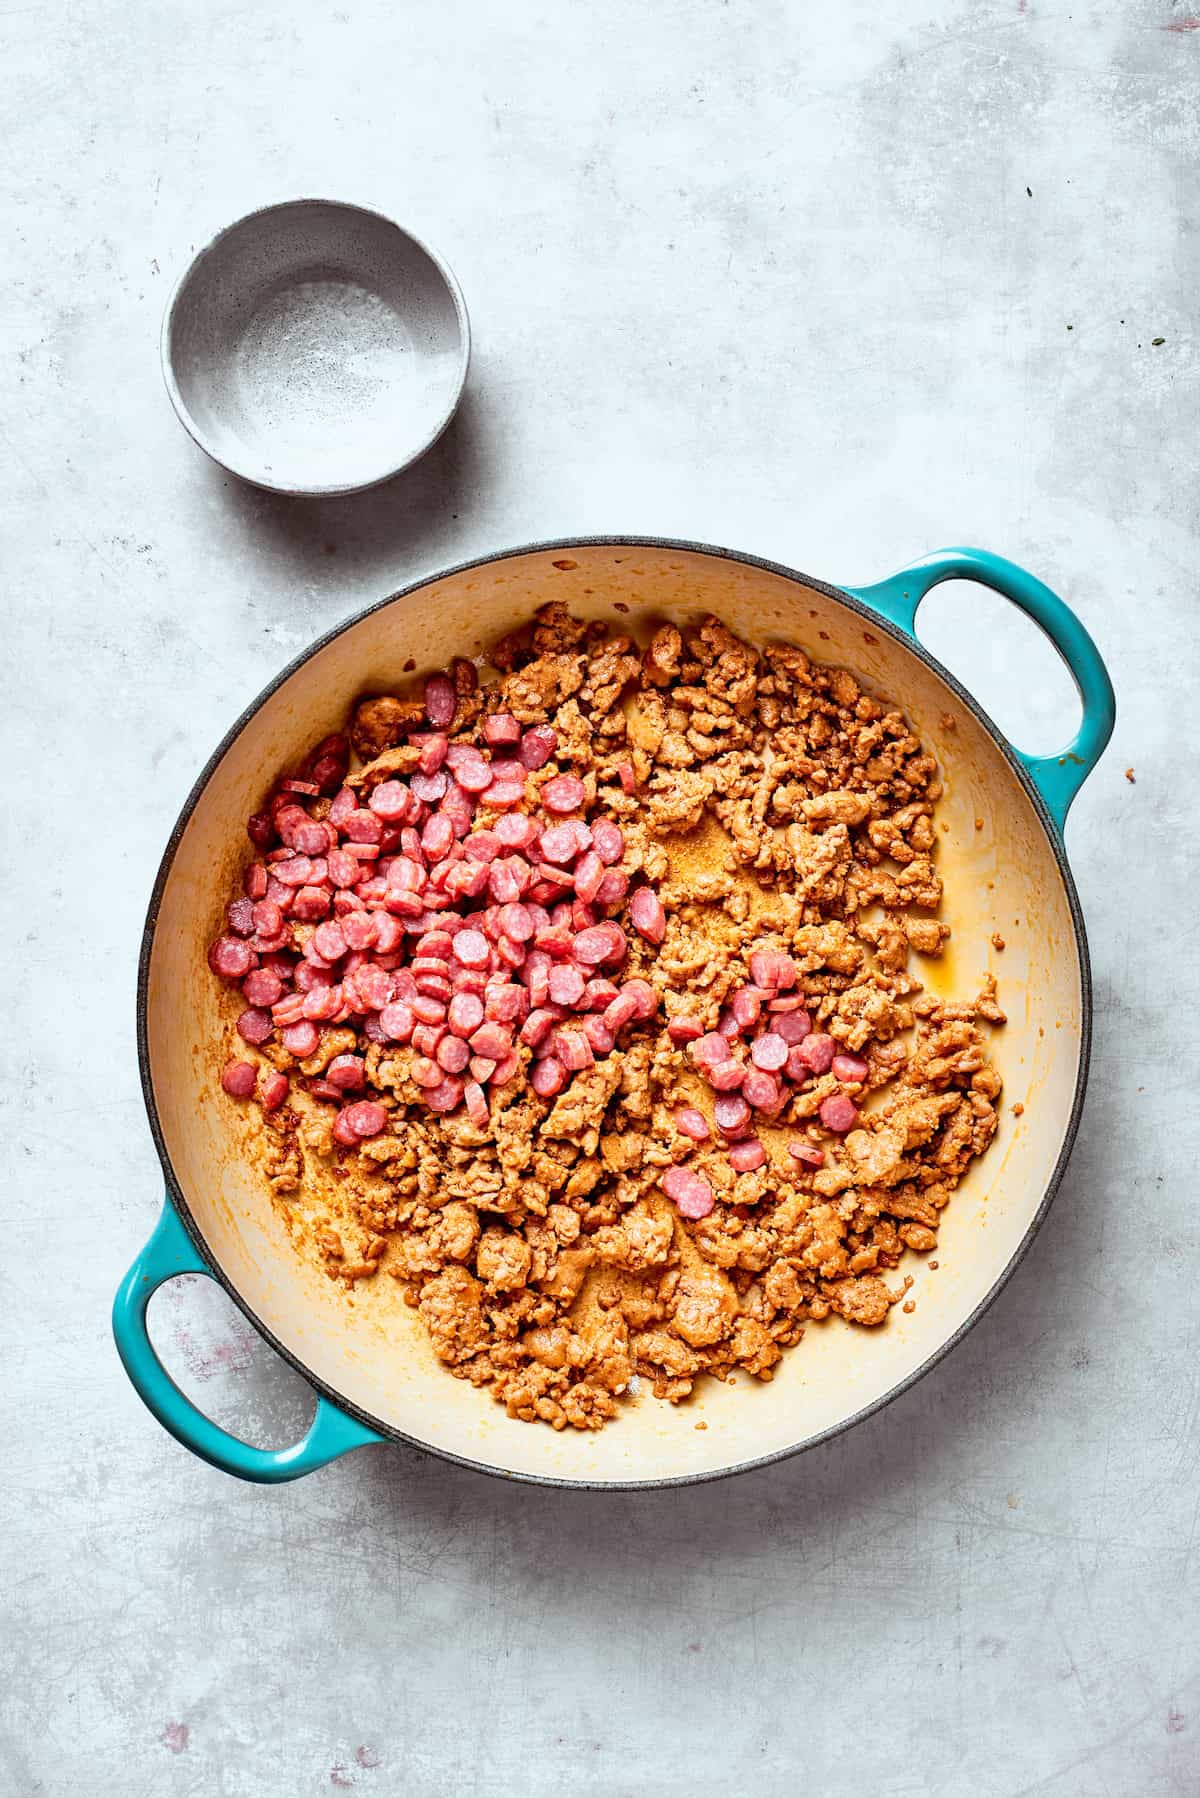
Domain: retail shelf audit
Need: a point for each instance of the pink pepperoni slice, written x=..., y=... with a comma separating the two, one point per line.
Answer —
x=563, y=794
x=441, y=701
x=566, y=984
x=693, y=1123
x=772, y=969
x=600, y=943
x=344, y=803
x=437, y=836
x=507, y=880
x=239, y=915
x=745, y=1006
x=230, y=958
x=538, y=1026
x=761, y=1090
x=362, y=827
x=838, y=1113
x=515, y=832
x=507, y=1004
x=608, y=840
x=429, y=788
x=807, y=1154
x=262, y=987
x=446, y=1095
x=330, y=941
x=300, y=1039
x=501, y=727
x=390, y=801
x=452, y=1054
x=239, y=1078
x=275, y=1090
x=602, y=1040
x=474, y=776
x=684, y=1028
x=365, y=1118
x=813, y=1056
x=343, y=868
x=789, y=1002
x=590, y=874
x=255, y=881
x=548, y=1077
x=465, y=1014
x=343, y=1133
x=476, y=1103
x=313, y=839
x=471, y=949
x=769, y=1052
x=347, y=1073
x=537, y=746
x=793, y=1026
x=255, y=1026
x=612, y=888
x=426, y=1037
x=850, y=1068
x=431, y=747
x=748, y=1155
x=727, y=1076
x=709, y=1051
x=310, y=904
x=558, y=844
x=627, y=777
x=690, y=1191
x=732, y=1114
x=573, y=1049
x=361, y=930
x=289, y=1010
x=491, y=1040
x=260, y=828
x=645, y=996
x=647, y=916
x=622, y=1011
x=424, y=1071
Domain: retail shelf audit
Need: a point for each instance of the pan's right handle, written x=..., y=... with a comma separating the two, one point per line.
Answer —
x=1057, y=777
x=170, y=1251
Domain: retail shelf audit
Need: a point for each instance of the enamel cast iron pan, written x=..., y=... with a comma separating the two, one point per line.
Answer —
x=374, y=1373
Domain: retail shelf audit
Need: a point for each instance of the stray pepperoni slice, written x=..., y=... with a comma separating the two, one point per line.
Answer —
x=814, y=1055
x=255, y=881
x=441, y=701
x=300, y=1039
x=275, y=1090
x=691, y=1122
x=476, y=1103
x=548, y=1077
x=627, y=777
x=647, y=916
x=838, y=1113
x=563, y=794
x=255, y=1026
x=262, y=987
x=537, y=746
x=792, y=1026
x=850, y=1068
x=732, y=1114
x=685, y=1029
x=689, y=1190
x=365, y=1118
x=501, y=727
x=239, y=1078
x=342, y=1132
x=745, y=1007
x=748, y=1155
x=260, y=828
x=347, y=1073
x=295, y=872
x=598, y=995
x=807, y=1154
x=230, y=958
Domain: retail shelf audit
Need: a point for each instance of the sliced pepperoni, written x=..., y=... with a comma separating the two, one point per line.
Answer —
x=769, y=1052
x=622, y=1011
x=492, y=1040
x=239, y=1078
x=772, y=969
x=732, y=1114
x=600, y=943
x=850, y=1068
x=446, y=1095
x=474, y=776
x=537, y=746
x=727, y=1076
x=689, y=1190
x=564, y=793
x=311, y=903
x=548, y=1077
x=390, y=799
x=501, y=727
x=812, y=1056
x=441, y=701
x=838, y=1113
x=231, y=958
x=365, y=1118
x=745, y=1156
x=275, y=1090
x=396, y=1021
x=761, y=1090
x=437, y=836
x=608, y=840
x=807, y=1154
x=745, y=1005
x=644, y=995
x=471, y=949
x=347, y=1073
x=519, y=832
x=295, y=872
x=476, y=1103
x=793, y=1026
x=590, y=874
x=255, y=1026
x=647, y=916
x=255, y=881
x=452, y=1054
x=429, y=788
x=612, y=888
x=300, y=1039
x=710, y=1050
x=566, y=984
x=507, y=1004
x=691, y=1122
x=330, y=941
x=262, y=987
x=239, y=915
x=260, y=828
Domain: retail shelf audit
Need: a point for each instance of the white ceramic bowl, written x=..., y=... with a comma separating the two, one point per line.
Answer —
x=315, y=348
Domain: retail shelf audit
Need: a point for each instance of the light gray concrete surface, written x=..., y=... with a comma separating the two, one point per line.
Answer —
x=838, y=284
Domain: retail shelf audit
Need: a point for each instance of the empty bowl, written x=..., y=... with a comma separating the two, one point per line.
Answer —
x=316, y=348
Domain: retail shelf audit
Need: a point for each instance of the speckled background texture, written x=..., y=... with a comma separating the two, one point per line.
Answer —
x=836, y=284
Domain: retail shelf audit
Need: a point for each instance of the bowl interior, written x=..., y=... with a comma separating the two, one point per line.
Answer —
x=315, y=348
x=1001, y=877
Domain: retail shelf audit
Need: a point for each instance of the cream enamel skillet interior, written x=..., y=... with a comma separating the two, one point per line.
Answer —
x=368, y=1356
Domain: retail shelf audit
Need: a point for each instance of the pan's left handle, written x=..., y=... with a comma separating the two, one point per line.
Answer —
x=170, y=1251
x=1057, y=778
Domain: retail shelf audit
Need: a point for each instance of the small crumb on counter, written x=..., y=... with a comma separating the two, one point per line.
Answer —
x=700, y=1426
x=1018, y=1110
x=997, y=940
x=933, y=1265
x=948, y=721
x=1131, y=777
x=979, y=823
x=908, y=1305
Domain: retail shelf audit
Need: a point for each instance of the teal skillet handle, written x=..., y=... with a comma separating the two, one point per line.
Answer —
x=169, y=1252
x=1057, y=777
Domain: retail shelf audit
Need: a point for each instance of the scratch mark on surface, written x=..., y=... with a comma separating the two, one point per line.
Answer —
x=175, y=1737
